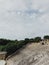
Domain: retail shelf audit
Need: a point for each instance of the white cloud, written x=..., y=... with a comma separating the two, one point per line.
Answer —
x=23, y=18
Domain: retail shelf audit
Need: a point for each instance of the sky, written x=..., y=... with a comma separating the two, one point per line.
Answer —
x=21, y=19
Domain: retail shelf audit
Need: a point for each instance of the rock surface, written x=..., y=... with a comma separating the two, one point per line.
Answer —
x=32, y=54
x=2, y=62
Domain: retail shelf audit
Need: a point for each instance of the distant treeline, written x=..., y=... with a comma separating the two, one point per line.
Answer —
x=13, y=45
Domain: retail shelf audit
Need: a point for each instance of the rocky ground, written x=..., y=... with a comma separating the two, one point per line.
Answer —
x=32, y=54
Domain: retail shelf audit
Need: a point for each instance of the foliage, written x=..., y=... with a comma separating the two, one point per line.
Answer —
x=31, y=40
x=46, y=37
x=26, y=40
x=37, y=39
x=12, y=45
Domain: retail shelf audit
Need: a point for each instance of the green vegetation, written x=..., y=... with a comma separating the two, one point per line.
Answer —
x=37, y=39
x=13, y=45
x=46, y=37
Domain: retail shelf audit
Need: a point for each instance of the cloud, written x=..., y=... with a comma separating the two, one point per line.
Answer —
x=24, y=18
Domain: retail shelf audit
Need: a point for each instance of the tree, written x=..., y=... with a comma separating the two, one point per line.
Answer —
x=37, y=39
x=10, y=48
x=26, y=40
x=31, y=40
x=46, y=37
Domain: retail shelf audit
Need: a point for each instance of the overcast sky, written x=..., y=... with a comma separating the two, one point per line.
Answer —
x=21, y=19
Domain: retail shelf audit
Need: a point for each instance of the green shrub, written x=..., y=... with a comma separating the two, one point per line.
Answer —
x=37, y=39
x=46, y=37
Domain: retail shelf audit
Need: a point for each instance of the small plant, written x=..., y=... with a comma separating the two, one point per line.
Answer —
x=42, y=43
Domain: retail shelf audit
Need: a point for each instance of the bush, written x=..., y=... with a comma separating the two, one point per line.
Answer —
x=10, y=48
x=42, y=43
x=1, y=47
x=46, y=37
x=12, y=45
x=37, y=39
x=26, y=40
x=31, y=40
